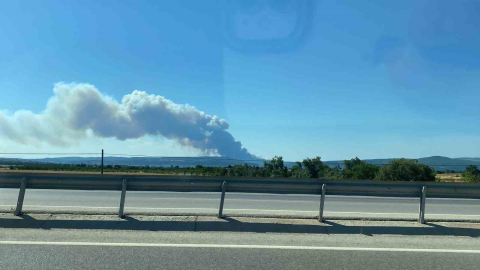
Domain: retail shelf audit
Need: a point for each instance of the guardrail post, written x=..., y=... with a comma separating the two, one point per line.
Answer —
x=102, y=163
x=21, y=196
x=421, y=216
x=222, y=199
x=322, y=204
x=122, y=198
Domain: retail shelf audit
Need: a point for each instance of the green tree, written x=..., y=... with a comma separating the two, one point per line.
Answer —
x=447, y=171
x=334, y=173
x=405, y=170
x=471, y=174
x=472, y=169
x=310, y=168
x=314, y=167
x=297, y=170
x=275, y=168
x=359, y=169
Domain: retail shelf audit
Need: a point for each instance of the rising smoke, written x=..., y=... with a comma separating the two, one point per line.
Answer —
x=76, y=109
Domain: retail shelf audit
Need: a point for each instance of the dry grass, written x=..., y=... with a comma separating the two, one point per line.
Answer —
x=450, y=177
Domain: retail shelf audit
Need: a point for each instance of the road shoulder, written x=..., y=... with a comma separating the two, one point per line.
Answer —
x=236, y=224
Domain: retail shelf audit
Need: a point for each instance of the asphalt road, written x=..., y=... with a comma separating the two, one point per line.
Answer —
x=92, y=249
x=237, y=203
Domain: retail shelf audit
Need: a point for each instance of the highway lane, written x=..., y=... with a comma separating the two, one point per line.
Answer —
x=93, y=249
x=273, y=204
x=100, y=257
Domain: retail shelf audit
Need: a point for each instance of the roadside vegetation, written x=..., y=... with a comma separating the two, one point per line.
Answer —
x=471, y=174
x=395, y=170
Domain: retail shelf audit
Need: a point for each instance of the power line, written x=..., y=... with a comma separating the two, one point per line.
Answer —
x=62, y=154
x=127, y=155
x=50, y=154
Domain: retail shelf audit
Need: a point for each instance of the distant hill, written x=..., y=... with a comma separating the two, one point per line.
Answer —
x=379, y=162
x=18, y=161
x=469, y=159
x=438, y=162
x=152, y=161
x=445, y=161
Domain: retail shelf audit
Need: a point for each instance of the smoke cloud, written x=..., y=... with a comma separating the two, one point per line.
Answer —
x=76, y=109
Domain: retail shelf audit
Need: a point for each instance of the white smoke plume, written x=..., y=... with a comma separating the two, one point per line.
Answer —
x=76, y=109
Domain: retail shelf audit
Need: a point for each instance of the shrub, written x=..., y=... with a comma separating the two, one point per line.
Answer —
x=358, y=169
x=310, y=168
x=405, y=170
x=471, y=174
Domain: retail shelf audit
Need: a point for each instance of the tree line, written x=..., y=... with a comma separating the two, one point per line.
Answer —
x=395, y=170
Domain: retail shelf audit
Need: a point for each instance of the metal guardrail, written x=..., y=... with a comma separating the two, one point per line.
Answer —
x=180, y=183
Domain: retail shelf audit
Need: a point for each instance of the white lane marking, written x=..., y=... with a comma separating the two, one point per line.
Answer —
x=234, y=209
x=239, y=246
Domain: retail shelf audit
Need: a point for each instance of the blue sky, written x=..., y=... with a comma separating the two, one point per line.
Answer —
x=373, y=79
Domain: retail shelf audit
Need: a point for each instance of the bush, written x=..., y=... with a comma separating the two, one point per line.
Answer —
x=405, y=170
x=358, y=169
x=310, y=168
x=471, y=174
x=274, y=168
x=471, y=169
x=334, y=173
x=471, y=178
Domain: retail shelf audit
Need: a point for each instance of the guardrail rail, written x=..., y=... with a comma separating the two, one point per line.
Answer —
x=181, y=183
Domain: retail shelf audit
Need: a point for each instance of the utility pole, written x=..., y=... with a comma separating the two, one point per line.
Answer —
x=102, y=161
